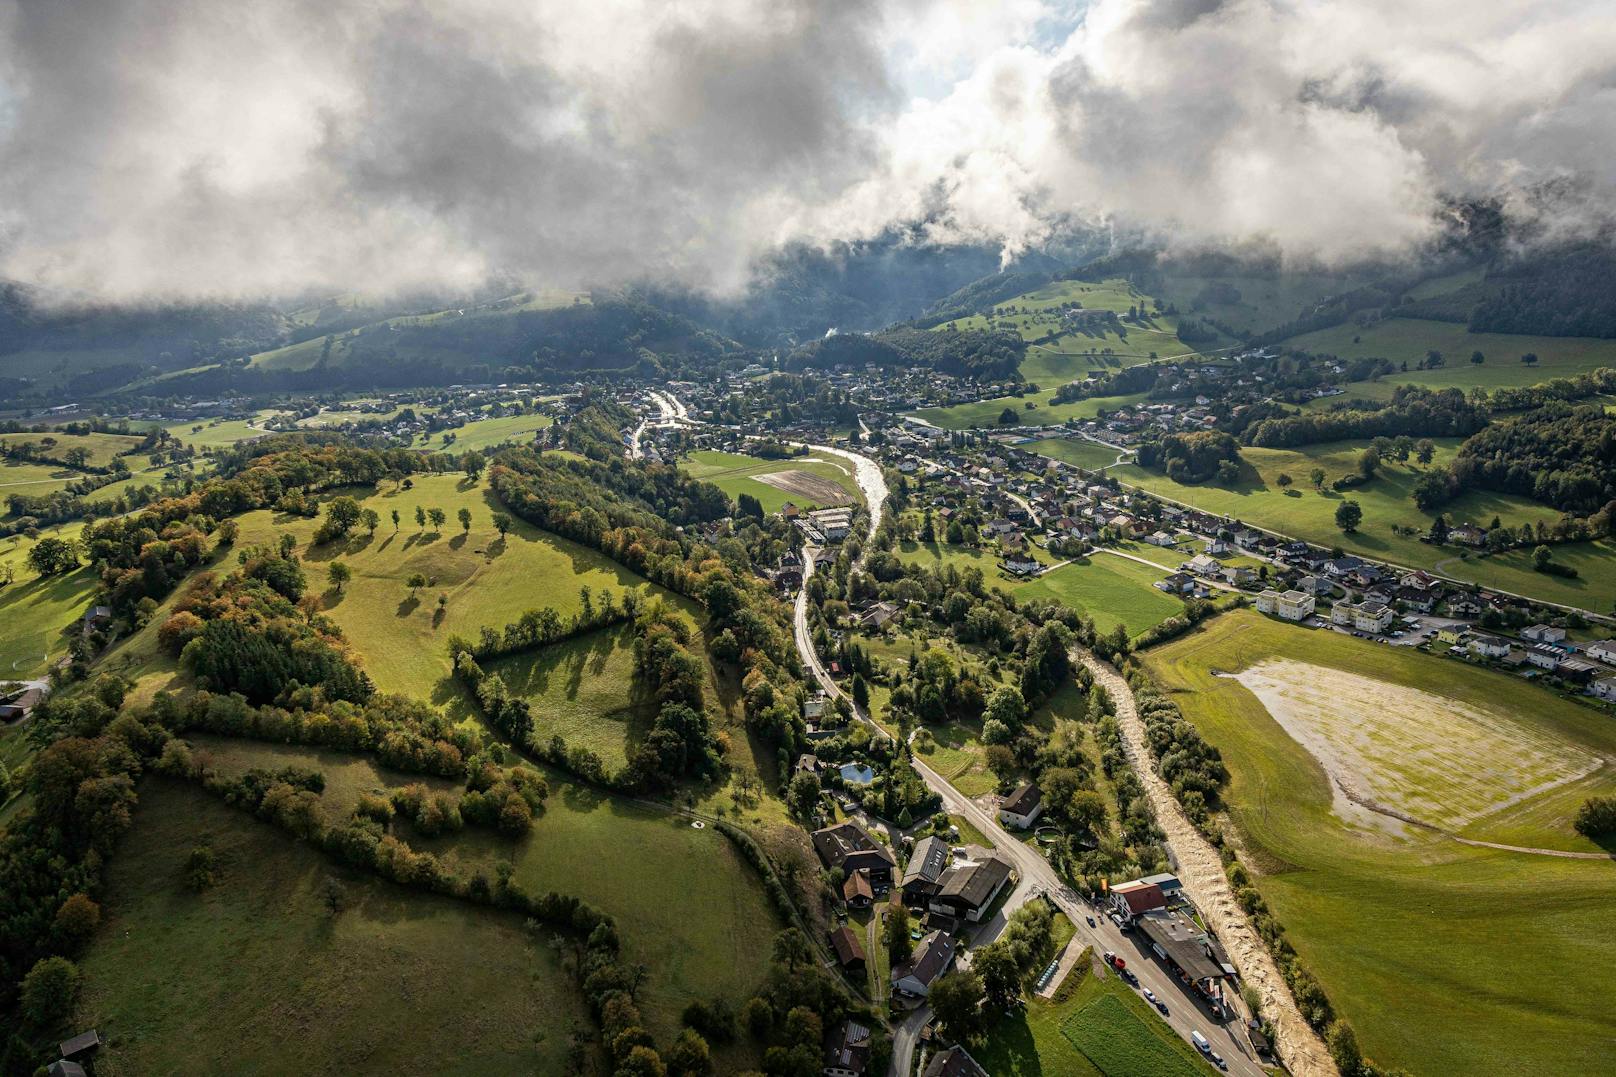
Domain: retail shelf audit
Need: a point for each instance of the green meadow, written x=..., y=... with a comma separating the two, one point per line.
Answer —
x=1446, y=958
x=738, y=474
x=986, y=413
x=397, y=981
x=1409, y=339
x=1079, y=452
x=1110, y=590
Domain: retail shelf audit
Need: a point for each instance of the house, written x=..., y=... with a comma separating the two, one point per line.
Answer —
x=969, y=888
x=878, y=616
x=1202, y=565
x=1544, y=634
x=1368, y=616
x=849, y=846
x=1179, y=583
x=1160, y=538
x=1415, y=599
x=1133, y=899
x=847, y=1050
x=1604, y=650
x=20, y=705
x=1490, y=647
x=1604, y=688
x=1544, y=656
x=923, y=873
x=856, y=891
x=64, y=1068
x=1421, y=581
x=1467, y=535
x=1022, y=566
x=834, y=524
x=1315, y=585
x=1216, y=547
x=1022, y=807
x=954, y=1062
x=80, y=1046
x=1239, y=575
x=849, y=951
x=1291, y=605
x=1464, y=606
x=1577, y=671
x=932, y=957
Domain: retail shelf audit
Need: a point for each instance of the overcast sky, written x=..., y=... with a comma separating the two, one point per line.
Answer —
x=195, y=149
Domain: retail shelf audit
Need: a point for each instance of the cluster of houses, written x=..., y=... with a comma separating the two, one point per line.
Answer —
x=1546, y=648
x=847, y=1054
x=951, y=887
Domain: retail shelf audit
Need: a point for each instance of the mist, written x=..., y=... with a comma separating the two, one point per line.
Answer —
x=160, y=150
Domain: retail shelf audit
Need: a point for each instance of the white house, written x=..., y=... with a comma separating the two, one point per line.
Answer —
x=931, y=958
x=1604, y=650
x=1369, y=616
x=1490, y=647
x=1604, y=688
x=1023, y=807
x=1545, y=657
x=1544, y=634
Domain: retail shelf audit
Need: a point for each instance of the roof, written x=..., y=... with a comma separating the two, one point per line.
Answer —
x=931, y=958
x=857, y=885
x=975, y=883
x=1023, y=800
x=928, y=861
x=954, y=1062
x=847, y=1047
x=1183, y=943
x=846, y=945
x=835, y=844
x=64, y=1068
x=84, y=1041
x=1140, y=896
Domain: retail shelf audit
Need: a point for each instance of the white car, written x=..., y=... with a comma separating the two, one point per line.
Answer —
x=1150, y=996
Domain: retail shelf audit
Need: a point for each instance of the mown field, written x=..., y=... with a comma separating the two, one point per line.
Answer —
x=488, y=580
x=985, y=413
x=687, y=905
x=1057, y=353
x=1448, y=959
x=256, y=976
x=487, y=433
x=205, y=434
x=1111, y=590
x=1408, y=339
x=737, y=474
x=1257, y=498
x=1079, y=452
x=34, y=610
x=1096, y=1026
x=100, y=448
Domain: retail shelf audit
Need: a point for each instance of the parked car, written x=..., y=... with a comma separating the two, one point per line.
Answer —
x=1217, y=1060
x=1090, y=919
x=1150, y=996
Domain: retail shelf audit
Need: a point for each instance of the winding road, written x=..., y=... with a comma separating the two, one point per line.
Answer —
x=1035, y=874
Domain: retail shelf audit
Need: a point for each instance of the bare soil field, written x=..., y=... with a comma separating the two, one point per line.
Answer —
x=807, y=485
x=1416, y=755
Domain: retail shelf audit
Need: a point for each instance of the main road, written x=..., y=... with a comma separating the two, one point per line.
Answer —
x=1185, y=1014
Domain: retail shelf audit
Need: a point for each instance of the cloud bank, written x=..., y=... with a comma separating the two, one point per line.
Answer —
x=165, y=149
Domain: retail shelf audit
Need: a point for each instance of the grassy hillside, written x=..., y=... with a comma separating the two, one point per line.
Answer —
x=1408, y=339
x=1111, y=590
x=985, y=413
x=1057, y=353
x=100, y=448
x=398, y=981
x=1403, y=926
x=1089, y=455
x=1307, y=514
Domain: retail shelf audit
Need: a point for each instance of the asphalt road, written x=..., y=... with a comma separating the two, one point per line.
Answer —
x=1185, y=1012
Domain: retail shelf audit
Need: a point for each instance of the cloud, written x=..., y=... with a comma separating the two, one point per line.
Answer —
x=155, y=149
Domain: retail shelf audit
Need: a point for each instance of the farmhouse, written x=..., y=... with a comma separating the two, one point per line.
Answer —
x=932, y=957
x=1291, y=605
x=954, y=1062
x=849, y=846
x=1022, y=807
x=968, y=889
x=849, y=951
x=847, y=1050
x=922, y=875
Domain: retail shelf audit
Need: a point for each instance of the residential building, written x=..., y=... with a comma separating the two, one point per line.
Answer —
x=1604, y=650
x=849, y=951
x=923, y=873
x=969, y=888
x=1490, y=647
x=933, y=955
x=1133, y=899
x=857, y=892
x=1184, y=948
x=1291, y=605
x=954, y=1062
x=849, y=846
x=847, y=1050
x=1544, y=634
x=1021, y=808
x=1544, y=656
x=1604, y=688
x=1368, y=616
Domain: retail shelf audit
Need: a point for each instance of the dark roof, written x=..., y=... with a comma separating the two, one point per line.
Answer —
x=84, y=1041
x=857, y=885
x=64, y=1068
x=954, y=1062
x=1183, y=943
x=975, y=884
x=931, y=958
x=928, y=861
x=846, y=945
x=847, y=1047
x=836, y=843
x=1023, y=800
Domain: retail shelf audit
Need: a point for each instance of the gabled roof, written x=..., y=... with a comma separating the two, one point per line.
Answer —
x=1026, y=797
x=928, y=862
x=954, y=1062
x=846, y=945
x=974, y=884
x=836, y=843
x=930, y=960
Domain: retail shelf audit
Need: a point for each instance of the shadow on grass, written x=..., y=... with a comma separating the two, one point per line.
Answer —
x=409, y=606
